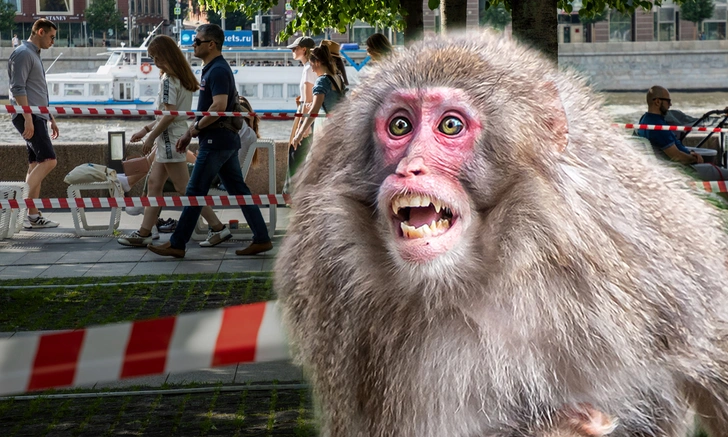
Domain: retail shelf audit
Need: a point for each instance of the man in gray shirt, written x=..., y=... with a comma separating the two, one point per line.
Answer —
x=28, y=88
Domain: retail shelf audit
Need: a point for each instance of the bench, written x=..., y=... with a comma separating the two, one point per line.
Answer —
x=80, y=222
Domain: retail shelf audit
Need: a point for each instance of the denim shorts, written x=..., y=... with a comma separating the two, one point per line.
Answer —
x=39, y=147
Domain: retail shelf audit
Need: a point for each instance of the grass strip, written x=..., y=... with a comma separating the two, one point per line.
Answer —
x=119, y=415
x=207, y=423
x=272, y=410
x=90, y=413
x=180, y=413
x=57, y=415
x=240, y=413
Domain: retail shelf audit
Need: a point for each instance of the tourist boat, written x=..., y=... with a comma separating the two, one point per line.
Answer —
x=268, y=78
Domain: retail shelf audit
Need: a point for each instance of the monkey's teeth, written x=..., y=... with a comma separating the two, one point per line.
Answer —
x=437, y=204
x=432, y=230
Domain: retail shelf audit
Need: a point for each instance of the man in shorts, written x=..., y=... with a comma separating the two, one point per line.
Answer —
x=28, y=88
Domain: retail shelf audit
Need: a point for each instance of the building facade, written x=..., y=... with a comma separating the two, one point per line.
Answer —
x=73, y=31
x=662, y=23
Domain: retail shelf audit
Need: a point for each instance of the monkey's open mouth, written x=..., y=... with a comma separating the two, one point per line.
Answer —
x=420, y=215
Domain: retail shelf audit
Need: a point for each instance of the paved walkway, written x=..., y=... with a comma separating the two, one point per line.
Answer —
x=58, y=252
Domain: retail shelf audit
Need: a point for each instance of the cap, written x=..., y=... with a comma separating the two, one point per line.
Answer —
x=333, y=47
x=302, y=41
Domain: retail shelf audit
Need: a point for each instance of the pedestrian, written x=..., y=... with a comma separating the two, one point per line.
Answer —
x=301, y=49
x=378, y=46
x=16, y=41
x=327, y=91
x=175, y=94
x=28, y=88
x=218, y=151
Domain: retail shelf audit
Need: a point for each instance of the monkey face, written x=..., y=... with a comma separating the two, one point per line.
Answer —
x=426, y=135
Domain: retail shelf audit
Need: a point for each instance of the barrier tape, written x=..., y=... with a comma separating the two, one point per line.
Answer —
x=63, y=110
x=118, y=202
x=669, y=128
x=238, y=334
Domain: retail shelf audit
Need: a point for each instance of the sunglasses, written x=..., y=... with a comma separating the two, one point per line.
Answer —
x=198, y=41
x=664, y=100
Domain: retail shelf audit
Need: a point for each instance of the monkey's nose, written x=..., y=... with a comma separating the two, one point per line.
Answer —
x=409, y=167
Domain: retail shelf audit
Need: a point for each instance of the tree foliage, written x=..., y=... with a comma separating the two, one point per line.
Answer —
x=232, y=19
x=7, y=18
x=102, y=15
x=696, y=10
x=314, y=16
x=497, y=17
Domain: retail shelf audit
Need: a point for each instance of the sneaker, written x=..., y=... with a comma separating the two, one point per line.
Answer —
x=169, y=226
x=134, y=210
x=216, y=237
x=39, y=223
x=155, y=233
x=135, y=240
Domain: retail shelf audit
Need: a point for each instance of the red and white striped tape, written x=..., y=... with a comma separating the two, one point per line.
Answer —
x=64, y=110
x=117, y=202
x=238, y=334
x=670, y=128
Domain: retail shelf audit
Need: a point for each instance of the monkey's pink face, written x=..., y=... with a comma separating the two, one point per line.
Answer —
x=427, y=134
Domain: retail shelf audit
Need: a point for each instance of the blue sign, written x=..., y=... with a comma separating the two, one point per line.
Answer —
x=233, y=38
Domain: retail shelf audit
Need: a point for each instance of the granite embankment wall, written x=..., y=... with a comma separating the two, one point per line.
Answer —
x=635, y=66
x=629, y=66
x=14, y=165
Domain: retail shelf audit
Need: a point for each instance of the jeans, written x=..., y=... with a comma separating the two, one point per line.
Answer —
x=210, y=163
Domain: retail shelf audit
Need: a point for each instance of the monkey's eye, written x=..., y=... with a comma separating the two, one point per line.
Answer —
x=400, y=126
x=451, y=126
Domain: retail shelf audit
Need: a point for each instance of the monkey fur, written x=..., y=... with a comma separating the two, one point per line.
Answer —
x=570, y=270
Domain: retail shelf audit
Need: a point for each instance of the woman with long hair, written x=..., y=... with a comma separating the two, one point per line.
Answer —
x=326, y=92
x=378, y=47
x=301, y=49
x=177, y=83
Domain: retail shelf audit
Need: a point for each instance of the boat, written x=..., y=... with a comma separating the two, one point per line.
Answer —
x=268, y=78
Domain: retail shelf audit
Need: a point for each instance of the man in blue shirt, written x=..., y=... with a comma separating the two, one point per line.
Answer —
x=667, y=143
x=218, y=152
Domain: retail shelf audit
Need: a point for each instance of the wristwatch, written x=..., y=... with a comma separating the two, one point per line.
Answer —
x=196, y=126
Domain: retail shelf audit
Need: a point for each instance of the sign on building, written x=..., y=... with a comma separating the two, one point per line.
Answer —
x=233, y=38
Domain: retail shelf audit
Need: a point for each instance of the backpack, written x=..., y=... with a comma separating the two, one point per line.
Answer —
x=339, y=91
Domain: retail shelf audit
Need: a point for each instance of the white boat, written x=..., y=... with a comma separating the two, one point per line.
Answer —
x=268, y=78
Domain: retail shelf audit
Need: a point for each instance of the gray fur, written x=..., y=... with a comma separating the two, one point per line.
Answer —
x=582, y=277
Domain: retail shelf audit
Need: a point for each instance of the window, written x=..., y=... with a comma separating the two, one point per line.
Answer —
x=17, y=3
x=665, y=24
x=249, y=90
x=98, y=89
x=73, y=89
x=620, y=26
x=272, y=91
x=715, y=26
x=56, y=89
x=56, y=6
x=293, y=90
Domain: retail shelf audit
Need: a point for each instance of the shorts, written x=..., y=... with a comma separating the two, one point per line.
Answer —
x=167, y=145
x=40, y=148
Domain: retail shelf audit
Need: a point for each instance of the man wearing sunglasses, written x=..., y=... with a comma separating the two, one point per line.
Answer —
x=667, y=143
x=28, y=88
x=218, y=152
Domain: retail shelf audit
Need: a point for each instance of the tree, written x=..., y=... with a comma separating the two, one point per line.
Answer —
x=696, y=11
x=7, y=18
x=496, y=17
x=315, y=16
x=534, y=21
x=102, y=15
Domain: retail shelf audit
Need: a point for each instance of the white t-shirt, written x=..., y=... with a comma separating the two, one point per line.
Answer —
x=171, y=92
x=308, y=76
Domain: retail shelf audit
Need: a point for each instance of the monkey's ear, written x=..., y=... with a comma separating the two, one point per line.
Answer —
x=589, y=421
x=556, y=120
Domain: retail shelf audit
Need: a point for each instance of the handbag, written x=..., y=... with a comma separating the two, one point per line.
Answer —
x=138, y=166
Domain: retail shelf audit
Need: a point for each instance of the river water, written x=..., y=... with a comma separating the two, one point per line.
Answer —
x=624, y=108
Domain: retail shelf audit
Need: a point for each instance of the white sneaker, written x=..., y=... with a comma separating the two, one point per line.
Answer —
x=39, y=223
x=135, y=240
x=215, y=238
x=134, y=210
x=155, y=233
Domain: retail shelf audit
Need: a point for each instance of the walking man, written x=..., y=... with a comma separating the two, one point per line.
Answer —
x=28, y=88
x=218, y=152
x=16, y=41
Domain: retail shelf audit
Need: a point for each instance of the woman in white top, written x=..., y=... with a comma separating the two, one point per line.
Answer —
x=175, y=93
x=301, y=48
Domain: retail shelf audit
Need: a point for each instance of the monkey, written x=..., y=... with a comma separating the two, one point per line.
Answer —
x=473, y=245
